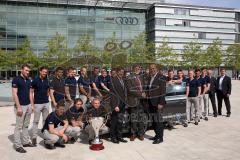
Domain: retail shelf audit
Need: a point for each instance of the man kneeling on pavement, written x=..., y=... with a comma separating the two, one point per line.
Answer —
x=56, y=130
x=96, y=110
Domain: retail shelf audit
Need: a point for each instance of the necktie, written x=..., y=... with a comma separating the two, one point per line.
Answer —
x=138, y=82
x=121, y=81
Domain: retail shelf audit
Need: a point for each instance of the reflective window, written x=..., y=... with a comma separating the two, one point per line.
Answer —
x=181, y=11
x=40, y=22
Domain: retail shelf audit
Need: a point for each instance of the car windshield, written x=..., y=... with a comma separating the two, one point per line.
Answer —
x=176, y=89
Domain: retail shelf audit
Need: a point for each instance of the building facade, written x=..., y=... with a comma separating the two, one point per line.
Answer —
x=39, y=20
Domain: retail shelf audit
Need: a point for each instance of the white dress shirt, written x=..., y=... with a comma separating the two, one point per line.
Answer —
x=152, y=79
x=220, y=82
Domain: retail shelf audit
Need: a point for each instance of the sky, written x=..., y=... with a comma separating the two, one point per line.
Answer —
x=215, y=3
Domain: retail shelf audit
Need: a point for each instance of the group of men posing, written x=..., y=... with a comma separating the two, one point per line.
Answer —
x=136, y=93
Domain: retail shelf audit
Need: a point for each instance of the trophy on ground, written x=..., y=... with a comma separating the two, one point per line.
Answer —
x=97, y=123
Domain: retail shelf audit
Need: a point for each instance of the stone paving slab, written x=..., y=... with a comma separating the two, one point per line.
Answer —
x=218, y=139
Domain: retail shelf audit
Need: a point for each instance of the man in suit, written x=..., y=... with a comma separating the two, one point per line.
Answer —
x=156, y=101
x=118, y=101
x=212, y=90
x=135, y=96
x=224, y=87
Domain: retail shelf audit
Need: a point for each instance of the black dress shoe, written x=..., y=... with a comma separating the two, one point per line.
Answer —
x=196, y=123
x=206, y=118
x=228, y=115
x=122, y=140
x=21, y=150
x=157, y=141
x=219, y=114
x=50, y=146
x=152, y=138
x=34, y=141
x=29, y=145
x=215, y=115
x=59, y=145
x=114, y=140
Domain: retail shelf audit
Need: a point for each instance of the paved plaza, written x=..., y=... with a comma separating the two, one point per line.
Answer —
x=217, y=139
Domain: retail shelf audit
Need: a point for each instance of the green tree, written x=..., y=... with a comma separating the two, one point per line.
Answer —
x=142, y=51
x=85, y=45
x=191, y=54
x=24, y=54
x=3, y=60
x=113, y=55
x=233, y=56
x=165, y=55
x=57, y=52
x=214, y=54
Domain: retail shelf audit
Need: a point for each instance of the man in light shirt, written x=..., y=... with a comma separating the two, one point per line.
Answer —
x=224, y=87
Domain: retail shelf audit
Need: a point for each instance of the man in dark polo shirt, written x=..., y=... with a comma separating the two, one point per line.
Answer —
x=21, y=91
x=39, y=99
x=56, y=130
x=104, y=81
x=192, y=94
x=171, y=78
x=205, y=93
x=70, y=86
x=57, y=90
x=74, y=116
x=202, y=93
x=96, y=110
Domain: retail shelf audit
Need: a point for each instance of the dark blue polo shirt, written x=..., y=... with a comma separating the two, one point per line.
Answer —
x=55, y=120
x=193, y=87
x=206, y=79
x=85, y=82
x=23, y=86
x=73, y=113
x=202, y=83
x=58, y=86
x=41, y=88
x=105, y=80
x=71, y=82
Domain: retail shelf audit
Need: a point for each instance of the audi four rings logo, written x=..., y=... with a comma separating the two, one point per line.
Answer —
x=126, y=20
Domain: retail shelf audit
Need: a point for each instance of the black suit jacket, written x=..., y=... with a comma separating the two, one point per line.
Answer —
x=157, y=92
x=226, y=85
x=134, y=95
x=213, y=85
x=118, y=93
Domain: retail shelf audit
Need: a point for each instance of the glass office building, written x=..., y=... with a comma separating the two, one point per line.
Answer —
x=39, y=20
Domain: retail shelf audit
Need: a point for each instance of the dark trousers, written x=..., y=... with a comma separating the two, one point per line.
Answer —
x=157, y=121
x=221, y=97
x=138, y=117
x=116, y=123
x=213, y=101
